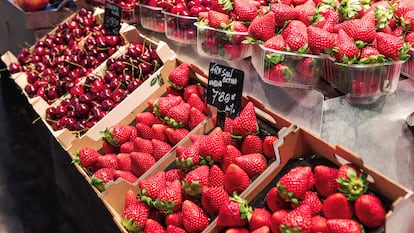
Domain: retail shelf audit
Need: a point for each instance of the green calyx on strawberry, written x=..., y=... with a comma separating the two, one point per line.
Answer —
x=134, y=217
x=273, y=59
x=349, y=9
x=382, y=16
x=180, y=76
x=353, y=185
x=116, y=135
x=245, y=209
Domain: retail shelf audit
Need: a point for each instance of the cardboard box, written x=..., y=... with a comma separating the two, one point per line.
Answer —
x=301, y=143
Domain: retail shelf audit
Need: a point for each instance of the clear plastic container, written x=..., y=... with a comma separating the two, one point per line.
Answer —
x=151, y=18
x=130, y=14
x=287, y=69
x=180, y=28
x=407, y=68
x=215, y=43
x=363, y=84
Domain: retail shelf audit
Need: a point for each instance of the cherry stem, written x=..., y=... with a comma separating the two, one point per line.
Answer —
x=75, y=64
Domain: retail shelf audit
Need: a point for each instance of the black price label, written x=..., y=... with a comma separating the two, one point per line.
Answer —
x=225, y=88
x=112, y=18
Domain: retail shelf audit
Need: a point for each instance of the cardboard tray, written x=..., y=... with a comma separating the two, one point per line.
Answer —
x=300, y=143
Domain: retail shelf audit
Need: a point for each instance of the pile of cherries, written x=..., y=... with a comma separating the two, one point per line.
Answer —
x=93, y=98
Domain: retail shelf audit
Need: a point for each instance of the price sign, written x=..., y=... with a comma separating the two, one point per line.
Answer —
x=112, y=18
x=225, y=88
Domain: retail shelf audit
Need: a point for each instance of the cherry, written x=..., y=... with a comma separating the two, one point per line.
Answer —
x=118, y=95
x=32, y=77
x=60, y=111
x=30, y=90
x=105, y=94
x=14, y=68
x=85, y=98
x=77, y=90
x=108, y=104
x=81, y=110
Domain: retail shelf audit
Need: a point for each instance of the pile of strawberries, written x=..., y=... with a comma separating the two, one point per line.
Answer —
x=324, y=199
x=209, y=172
x=128, y=151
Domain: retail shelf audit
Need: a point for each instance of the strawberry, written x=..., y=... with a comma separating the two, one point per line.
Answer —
x=143, y=145
x=392, y=46
x=344, y=226
x=284, y=12
x=235, y=179
x=101, y=177
x=369, y=210
x=251, y=144
x=180, y=76
x=130, y=198
x=213, y=147
x=175, y=229
x=187, y=157
x=212, y=198
x=175, y=219
x=172, y=91
x=279, y=73
x=209, y=46
x=350, y=9
x=335, y=202
x=369, y=55
x=107, y=161
x=217, y=19
x=141, y=162
x=161, y=148
x=319, y=224
x=126, y=175
x=135, y=216
x=153, y=226
x=126, y=147
x=86, y=156
x=228, y=124
x=347, y=51
x=312, y=200
x=352, y=182
x=245, y=123
x=268, y=148
x=402, y=7
x=409, y=38
x=325, y=180
x=147, y=118
x=195, y=101
x=196, y=180
x=177, y=116
x=245, y=10
x=116, y=135
x=305, y=12
x=144, y=131
x=263, y=27
x=221, y=6
x=253, y=164
x=260, y=217
x=308, y=70
x=193, y=89
x=235, y=212
x=174, y=174
x=297, y=220
x=164, y=103
x=159, y=132
x=237, y=230
x=216, y=176
x=361, y=29
x=296, y=36
x=326, y=18
x=237, y=26
x=229, y=156
x=195, y=117
x=274, y=201
x=277, y=219
x=263, y=229
x=398, y=31
x=169, y=198
x=151, y=187
x=320, y=40
x=107, y=148
x=276, y=42
x=233, y=51
x=295, y=183
x=175, y=135
x=194, y=218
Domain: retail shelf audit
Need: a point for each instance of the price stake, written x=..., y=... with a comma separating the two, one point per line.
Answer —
x=112, y=18
x=224, y=91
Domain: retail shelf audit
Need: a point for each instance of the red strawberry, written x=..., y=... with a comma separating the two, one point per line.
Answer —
x=279, y=73
x=369, y=210
x=116, y=135
x=135, y=216
x=263, y=26
x=347, y=50
x=147, y=118
x=335, y=202
x=216, y=176
x=362, y=29
x=312, y=200
x=217, y=19
x=187, y=157
x=126, y=175
x=350, y=10
x=126, y=147
x=180, y=76
x=369, y=54
x=159, y=132
x=212, y=198
x=344, y=226
x=174, y=174
x=392, y=46
x=177, y=116
x=161, y=148
x=172, y=91
x=176, y=135
x=235, y=212
x=352, y=182
x=195, y=101
x=143, y=145
x=86, y=156
x=151, y=187
x=164, y=103
x=193, y=89
x=305, y=12
x=296, y=36
x=326, y=18
x=295, y=183
x=398, y=32
x=195, y=118
x=175, y=229
x=253, y=164
x=235, y=179
x=245, y=10
x=194, y=218
x=101, y=177
x=107, y=148
x=246, y=122
x=325, y=180
x=402, y=7
x=130, y=198
x=263, y=229
x=298, y=220
x=251, y=144
x=108, y=161
x=175, y=219
x=276, y=42
x=221, y=6
x=196, y=180
x=228, y=124
x=319, y=224
x=320, y=40
x=237, y=26
x=308, y=70
x=144, y=131
x=229, y=156
x=274, y=201
x=237, y=230
x=277, y=219
x=213, y=147
x=169, y=198
x=233, y=51
x=260, y=217
x=153, y=226
x=284, y=12
x=141, y=162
